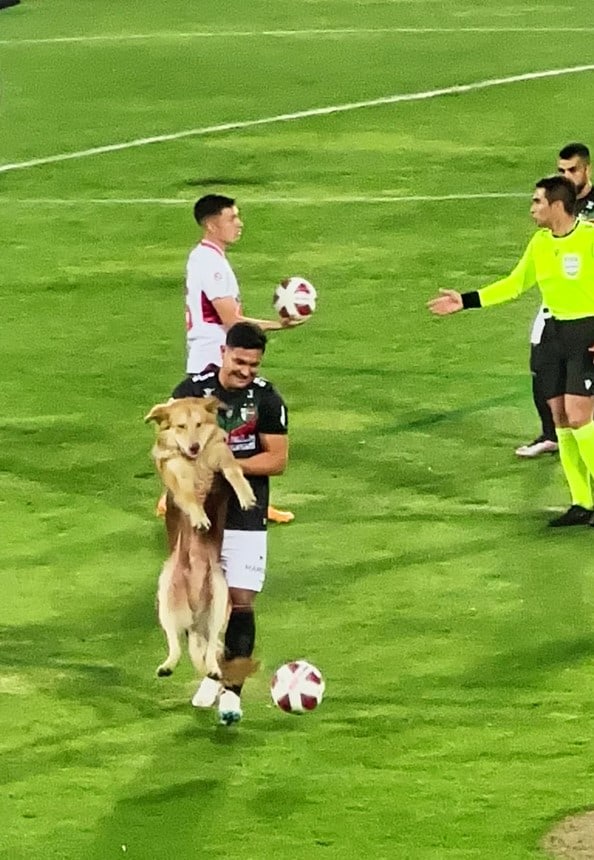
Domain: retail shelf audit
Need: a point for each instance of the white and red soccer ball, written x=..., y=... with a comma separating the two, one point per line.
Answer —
x=295, y=297
x=297, y=687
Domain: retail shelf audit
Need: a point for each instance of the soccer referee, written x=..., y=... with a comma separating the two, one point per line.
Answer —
x=559, y=260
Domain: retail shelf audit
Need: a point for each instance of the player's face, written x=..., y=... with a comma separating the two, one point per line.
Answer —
x=540, y=208
x=576, y=170
x=239, y=366
x=226, y=227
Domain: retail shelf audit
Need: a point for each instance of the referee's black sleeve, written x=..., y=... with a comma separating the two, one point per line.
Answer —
x=471, y=300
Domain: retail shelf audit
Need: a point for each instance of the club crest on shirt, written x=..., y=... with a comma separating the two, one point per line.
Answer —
x=248, y=413
x=571, y=264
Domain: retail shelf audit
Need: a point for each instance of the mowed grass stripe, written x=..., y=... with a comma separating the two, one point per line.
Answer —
x=265, y=201
x=320, y=32
x=456, y=89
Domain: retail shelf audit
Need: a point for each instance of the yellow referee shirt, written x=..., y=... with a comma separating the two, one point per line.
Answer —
x=561, y=266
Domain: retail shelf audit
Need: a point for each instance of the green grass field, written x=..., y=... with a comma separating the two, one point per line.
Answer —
x=456, y=634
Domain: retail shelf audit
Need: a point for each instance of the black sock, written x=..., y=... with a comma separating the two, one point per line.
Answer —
x=543, y=409
x=240, y=637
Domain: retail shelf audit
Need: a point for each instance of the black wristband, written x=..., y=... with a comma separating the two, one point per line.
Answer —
x=471, y=300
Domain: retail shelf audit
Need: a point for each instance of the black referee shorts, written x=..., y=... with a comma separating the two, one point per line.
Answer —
x=565, y=365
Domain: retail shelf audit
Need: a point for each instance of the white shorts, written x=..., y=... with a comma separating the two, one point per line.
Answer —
x=243, y=559
x=204, y=351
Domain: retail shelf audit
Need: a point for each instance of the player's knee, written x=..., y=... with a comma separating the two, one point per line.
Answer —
x=557, y=407
x=579, y=414
x=242, y=599
x=577, y=421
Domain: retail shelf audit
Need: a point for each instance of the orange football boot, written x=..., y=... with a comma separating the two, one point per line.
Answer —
x=276, y=516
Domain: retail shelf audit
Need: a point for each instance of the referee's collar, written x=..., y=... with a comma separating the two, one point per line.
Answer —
x=565, y=235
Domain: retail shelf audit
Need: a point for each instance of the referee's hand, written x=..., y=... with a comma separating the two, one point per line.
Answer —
x=447, y=302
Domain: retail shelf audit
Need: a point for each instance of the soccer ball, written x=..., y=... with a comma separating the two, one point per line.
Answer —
x=295, y=297
x=297, y=687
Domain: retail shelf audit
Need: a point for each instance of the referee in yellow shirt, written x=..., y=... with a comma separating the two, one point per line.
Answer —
x=559, y=260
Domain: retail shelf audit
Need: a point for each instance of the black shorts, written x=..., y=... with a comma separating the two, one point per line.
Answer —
x=565, y=365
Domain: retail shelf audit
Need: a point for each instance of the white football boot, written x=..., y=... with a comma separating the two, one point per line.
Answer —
x=229, y=708
x=209, y=690
x=537, y=448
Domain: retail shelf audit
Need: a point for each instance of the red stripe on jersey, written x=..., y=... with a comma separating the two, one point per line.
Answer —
x=209, y=314
x=212, y=246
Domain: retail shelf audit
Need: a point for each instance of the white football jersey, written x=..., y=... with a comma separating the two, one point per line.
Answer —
x=208, y=276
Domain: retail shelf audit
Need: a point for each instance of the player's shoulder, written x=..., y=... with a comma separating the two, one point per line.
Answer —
x=539, y=235
x=206, y=254
x=260, y=383
x=198, y=384
x=265, y=390
x=588, y=201
x=206, y=376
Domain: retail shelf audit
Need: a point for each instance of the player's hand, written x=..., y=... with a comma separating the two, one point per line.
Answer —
x=447, y=302
x=292, y=322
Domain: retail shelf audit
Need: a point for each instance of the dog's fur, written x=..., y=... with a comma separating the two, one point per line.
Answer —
x=189, y=450
x=192, y=595
x=192, y=457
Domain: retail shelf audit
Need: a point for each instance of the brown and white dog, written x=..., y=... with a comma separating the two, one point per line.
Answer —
x=197, y=468
x=190, y=449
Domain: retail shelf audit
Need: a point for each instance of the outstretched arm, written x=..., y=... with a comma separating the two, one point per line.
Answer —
x=518, y=281
x=226, y=308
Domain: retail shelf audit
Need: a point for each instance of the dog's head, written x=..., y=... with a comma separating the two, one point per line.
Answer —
x=186, y=424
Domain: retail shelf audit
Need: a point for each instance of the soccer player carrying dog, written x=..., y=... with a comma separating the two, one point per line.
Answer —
x=254, y=416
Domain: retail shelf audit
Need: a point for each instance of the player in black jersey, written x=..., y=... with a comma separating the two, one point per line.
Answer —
x=254, y=416
x=573, y=162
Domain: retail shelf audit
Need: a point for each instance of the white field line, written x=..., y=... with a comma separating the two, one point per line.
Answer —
x=263, y=201
x=457, y=89
x=285, y=34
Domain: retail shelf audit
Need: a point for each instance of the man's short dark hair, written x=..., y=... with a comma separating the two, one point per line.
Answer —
x=571, y=150
x=559, y=188
x=211, y=204
x=245, y=335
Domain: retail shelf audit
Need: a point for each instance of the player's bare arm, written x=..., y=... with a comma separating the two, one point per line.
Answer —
x=226, y=308
x=272, y=460
x=447, y=302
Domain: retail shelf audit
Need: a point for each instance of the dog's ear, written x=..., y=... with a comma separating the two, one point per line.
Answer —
x=212, y=404
x=158, y=412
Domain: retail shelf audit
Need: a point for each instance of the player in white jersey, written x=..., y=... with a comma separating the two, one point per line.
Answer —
x=213, y=302
x=209, y=279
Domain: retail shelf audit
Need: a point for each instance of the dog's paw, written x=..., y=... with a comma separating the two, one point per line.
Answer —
x=201, y=523
x=203, y=527
x=247, y=502
x=164, y=672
